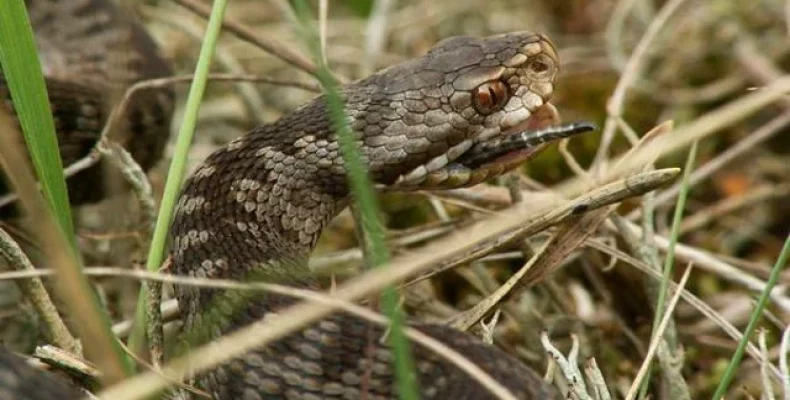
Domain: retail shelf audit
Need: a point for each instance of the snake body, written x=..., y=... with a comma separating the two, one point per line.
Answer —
x=91, y=51
x=254, y=209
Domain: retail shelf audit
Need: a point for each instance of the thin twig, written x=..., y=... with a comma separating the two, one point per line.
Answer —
x=317, y=299
x=706, y=170
x=768, y=389
x=69, y=362
x=614, y=33
x=155, y=329
x=635, y=185
x=375, y=34
x=268, y=45
x=115, y=117
x=571, y=160
x=569, y=366
x=695, y=301
x=708, y=262
x=633, y=67
x=488, y=327
x=175, y=382
x=784, y=352
x=297, y=316
x=169, y=311
x=37, y=294
x=595, y=377
x=249, y=94
x=659, y=332
x=135, y=176
x=755, y=62
x=566, y=240
x=732, y=203
x=463, y=321
x=91, y=324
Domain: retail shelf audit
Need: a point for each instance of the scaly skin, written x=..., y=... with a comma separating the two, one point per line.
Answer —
x=18, y=380
x=91, y=52
x=255, y=208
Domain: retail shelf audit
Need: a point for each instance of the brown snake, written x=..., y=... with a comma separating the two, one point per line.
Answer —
x=90, y=52
x=255, y=208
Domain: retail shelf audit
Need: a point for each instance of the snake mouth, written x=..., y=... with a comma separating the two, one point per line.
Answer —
x=523, y=141
x=493, y=155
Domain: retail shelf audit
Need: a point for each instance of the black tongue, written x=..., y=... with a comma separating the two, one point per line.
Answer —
x=484, y=152
x=536, y=137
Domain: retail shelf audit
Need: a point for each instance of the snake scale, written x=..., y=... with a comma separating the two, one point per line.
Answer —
x=254, y=209
x=91, y=51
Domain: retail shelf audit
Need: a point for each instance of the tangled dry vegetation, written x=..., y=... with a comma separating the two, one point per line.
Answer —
x=714, y=67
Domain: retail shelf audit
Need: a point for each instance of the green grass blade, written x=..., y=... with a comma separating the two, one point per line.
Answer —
x=669, y=260
x=757, y=313
x=365, y=197
x=22, y=70
x=175, y=176
x=677, y=218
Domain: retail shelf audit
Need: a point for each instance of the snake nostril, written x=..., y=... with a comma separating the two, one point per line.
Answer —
x=539, y=66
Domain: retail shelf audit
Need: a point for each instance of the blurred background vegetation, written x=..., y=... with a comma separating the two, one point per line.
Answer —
x=709, y=53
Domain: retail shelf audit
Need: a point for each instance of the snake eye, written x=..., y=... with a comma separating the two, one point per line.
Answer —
x=490, y=97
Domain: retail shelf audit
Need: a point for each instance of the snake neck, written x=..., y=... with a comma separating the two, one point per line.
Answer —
x=256, y=207
x=120, y=51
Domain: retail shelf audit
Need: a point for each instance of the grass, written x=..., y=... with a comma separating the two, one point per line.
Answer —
x=360, y=185
x=742, y=237
x=22, y=72
x=175, y=176
x=669, y=259
x=43, y=145
x=365, y=198
x=754, y=318
x=677, y=218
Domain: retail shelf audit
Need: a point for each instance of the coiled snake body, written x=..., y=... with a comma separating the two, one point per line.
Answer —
x=255, y=208
x=90, y=53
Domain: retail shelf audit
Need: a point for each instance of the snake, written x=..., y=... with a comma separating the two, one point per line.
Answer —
x=468, y=110
x=90, y=52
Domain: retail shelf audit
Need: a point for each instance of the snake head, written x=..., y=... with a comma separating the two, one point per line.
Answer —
x=435, y=122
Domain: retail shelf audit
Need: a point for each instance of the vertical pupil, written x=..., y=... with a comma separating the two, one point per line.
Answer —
x=490, y=97
x=493, y=95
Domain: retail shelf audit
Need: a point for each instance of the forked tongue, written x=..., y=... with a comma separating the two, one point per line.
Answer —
x=524, y=139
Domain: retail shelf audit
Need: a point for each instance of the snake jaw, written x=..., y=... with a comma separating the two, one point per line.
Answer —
x=444, y=172
x=474, y=161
